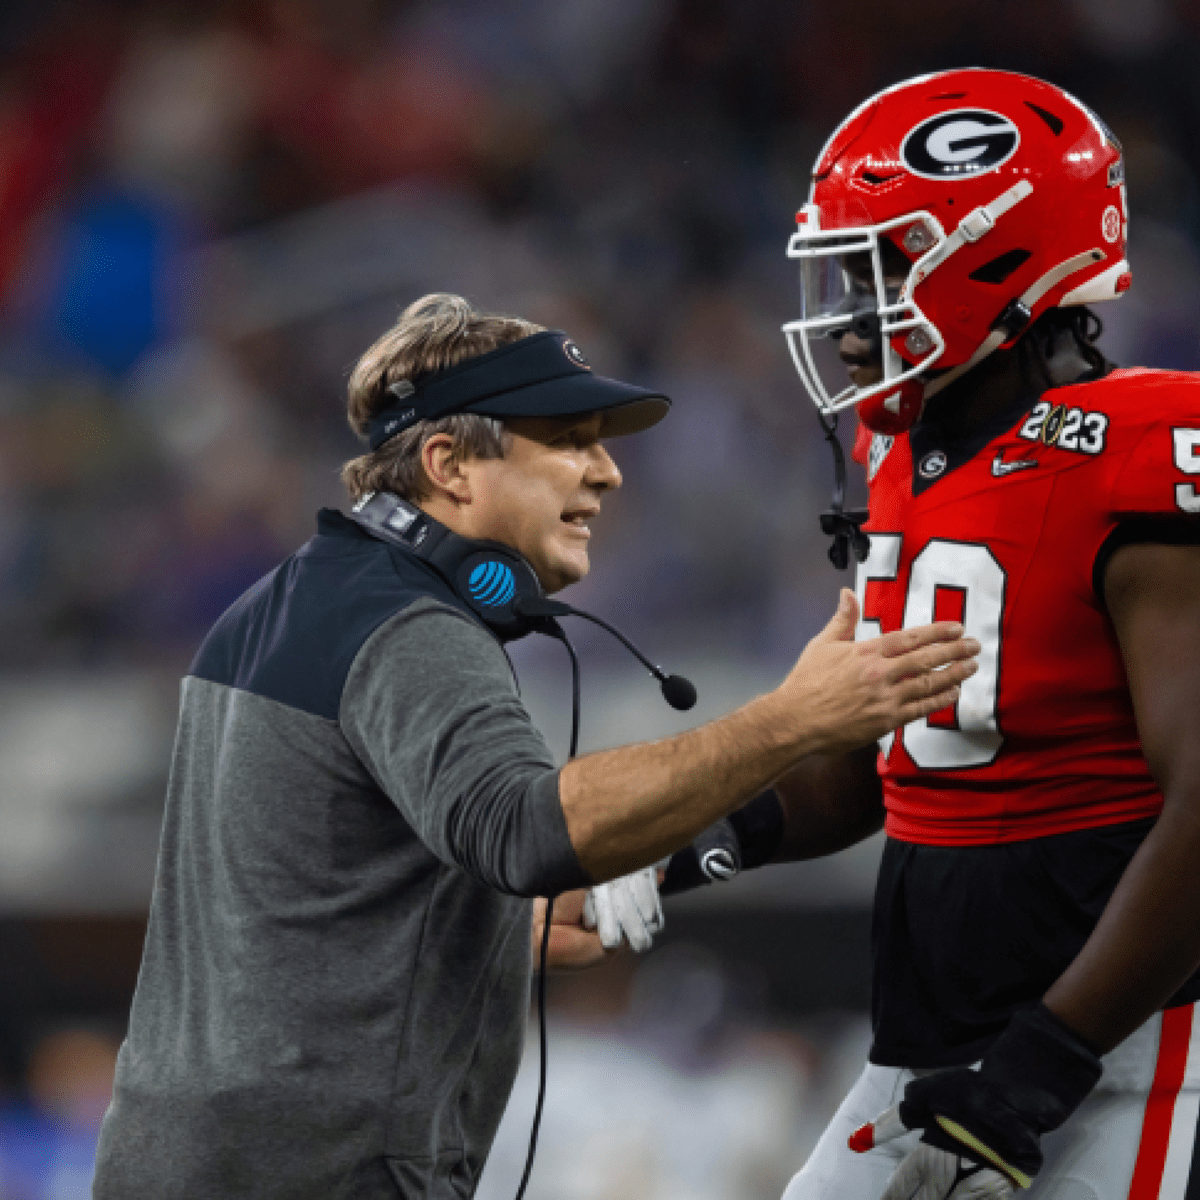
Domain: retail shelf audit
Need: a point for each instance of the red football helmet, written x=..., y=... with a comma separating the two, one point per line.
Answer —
x=1002, y=196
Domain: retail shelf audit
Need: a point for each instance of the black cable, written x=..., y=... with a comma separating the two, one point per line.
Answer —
x=678, y=692
x=555, y=630
x=654, y=670
x=561, y=634
x=837, y=523
x=541, y=1097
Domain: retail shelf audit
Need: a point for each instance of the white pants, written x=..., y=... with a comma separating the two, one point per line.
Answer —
x=1133, y=1138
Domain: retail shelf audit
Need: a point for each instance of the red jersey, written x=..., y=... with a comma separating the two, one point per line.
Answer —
x=1011, y=538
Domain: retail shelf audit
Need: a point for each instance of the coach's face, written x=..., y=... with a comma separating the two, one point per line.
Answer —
x=542, y=496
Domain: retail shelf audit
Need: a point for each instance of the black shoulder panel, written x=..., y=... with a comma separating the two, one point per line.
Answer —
x=294, y=635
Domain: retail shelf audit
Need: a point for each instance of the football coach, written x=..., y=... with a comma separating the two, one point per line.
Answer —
x=335, y=983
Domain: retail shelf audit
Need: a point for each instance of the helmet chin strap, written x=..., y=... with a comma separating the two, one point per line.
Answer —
x=1016, y=316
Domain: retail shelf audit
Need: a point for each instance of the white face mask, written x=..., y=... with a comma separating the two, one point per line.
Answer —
x=842, y=277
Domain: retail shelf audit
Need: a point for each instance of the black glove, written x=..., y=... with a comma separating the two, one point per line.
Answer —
x=1031, y=1080
x=745, y=839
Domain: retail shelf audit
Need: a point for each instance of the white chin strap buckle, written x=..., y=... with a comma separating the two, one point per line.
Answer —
x=975, y=225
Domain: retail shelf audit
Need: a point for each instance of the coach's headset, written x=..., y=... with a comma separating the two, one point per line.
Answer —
x=542, y=375
x=493, y=580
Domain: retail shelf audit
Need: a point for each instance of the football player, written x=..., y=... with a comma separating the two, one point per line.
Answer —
x=1037, y=919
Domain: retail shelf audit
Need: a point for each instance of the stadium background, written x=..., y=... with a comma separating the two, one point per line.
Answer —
x=207, y=210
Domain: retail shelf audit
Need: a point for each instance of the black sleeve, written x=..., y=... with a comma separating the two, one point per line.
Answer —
x=1165, y=530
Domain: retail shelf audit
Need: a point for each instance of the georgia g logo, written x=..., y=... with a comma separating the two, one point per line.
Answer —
x=574, y=353
x=967, y=141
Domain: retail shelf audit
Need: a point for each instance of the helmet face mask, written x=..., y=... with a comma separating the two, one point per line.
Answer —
x=846, y=275
x=1002, y=194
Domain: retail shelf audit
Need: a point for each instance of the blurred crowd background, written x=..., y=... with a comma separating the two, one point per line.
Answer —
x=208, y=210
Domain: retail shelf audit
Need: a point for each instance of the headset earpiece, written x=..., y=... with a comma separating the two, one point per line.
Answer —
x=493, y=580
x=490, y=578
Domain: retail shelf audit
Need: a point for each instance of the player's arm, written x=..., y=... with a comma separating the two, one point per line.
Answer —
x=822, y=805
x=1147, y=941
x=830, y=801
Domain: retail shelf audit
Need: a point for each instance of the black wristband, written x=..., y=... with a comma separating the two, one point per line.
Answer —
x=759, y=827
x=756, y=829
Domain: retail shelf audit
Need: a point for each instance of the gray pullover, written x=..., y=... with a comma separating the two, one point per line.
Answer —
x=334, y=988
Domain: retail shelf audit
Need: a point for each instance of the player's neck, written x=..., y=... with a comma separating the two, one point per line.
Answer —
x=1006, y=381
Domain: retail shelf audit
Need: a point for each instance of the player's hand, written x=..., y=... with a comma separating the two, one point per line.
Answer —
x=850, y=693
x=572, y=946
x=982, y=1129
x=626, y=909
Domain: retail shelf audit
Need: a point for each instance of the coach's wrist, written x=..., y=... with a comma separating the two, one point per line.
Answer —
x=793, y=727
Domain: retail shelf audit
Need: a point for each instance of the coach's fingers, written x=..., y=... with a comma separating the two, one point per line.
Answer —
x=930, y=658
x=905, y=641
x=914, y=710
x=930, y=685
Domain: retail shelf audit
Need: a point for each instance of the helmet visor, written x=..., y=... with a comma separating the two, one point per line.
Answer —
x=836, y=283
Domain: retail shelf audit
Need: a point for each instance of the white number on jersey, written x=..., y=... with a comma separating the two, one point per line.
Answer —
x=1187, y=459
x=881, y=564
x=969, y=568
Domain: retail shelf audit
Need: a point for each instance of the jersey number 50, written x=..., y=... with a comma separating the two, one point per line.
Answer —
x=972, y=738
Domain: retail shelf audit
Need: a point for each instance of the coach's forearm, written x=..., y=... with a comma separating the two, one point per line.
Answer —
x=629, y=807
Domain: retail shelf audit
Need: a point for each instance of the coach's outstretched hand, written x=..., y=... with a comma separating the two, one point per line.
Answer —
x=982, y=1129
x=850, y=693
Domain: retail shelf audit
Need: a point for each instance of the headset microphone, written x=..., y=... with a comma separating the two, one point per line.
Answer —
x=678, y=692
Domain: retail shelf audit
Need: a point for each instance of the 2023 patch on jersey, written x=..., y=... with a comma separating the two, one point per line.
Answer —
x=1043, y=738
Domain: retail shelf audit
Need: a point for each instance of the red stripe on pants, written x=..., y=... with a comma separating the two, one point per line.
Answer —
x=1160, y=1104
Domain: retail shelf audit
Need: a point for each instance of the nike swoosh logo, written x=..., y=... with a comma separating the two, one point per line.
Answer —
x=1000, y=467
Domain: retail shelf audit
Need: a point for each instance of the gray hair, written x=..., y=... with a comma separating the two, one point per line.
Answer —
x=436, y=332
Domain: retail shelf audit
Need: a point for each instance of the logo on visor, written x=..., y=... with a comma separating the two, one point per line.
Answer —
x=491, y=584
x=574, y=353
x=967, y=141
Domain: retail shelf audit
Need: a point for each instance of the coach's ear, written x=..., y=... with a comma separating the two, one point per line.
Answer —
x=443, y=466
x=841, y=626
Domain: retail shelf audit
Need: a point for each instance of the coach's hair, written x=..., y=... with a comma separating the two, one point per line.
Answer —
x=433, y=333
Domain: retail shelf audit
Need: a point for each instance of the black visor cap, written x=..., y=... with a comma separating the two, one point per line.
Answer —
x=545, y=375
